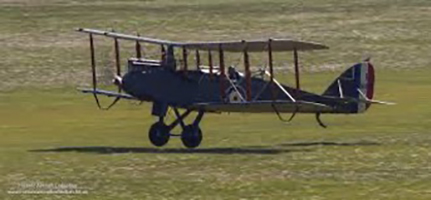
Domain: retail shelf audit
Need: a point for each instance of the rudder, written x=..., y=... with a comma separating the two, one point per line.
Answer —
x=351, y=83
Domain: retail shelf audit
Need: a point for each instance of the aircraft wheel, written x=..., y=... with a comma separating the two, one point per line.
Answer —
x=191, y=136
x=159, y=134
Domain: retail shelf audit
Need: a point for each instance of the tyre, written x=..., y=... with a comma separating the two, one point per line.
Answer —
x=191, y=136
x=159, y=134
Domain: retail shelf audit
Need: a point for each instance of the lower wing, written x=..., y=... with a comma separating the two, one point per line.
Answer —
x=264, y=107
x=107, y=93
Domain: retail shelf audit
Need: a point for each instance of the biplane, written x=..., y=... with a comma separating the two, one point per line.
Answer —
x=169, y=82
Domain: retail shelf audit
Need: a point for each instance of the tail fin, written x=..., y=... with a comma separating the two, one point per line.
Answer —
x=356, y=83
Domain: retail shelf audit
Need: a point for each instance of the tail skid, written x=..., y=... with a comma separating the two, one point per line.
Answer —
x=319, y=121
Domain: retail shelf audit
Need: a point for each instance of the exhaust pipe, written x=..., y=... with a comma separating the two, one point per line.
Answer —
x=118, y=81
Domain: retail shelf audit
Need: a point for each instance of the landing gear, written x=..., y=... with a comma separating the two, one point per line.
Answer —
x=191, y=136
x=159, y=134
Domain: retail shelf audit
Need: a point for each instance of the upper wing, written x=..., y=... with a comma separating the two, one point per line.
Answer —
x=232, y=46
x=255, y=45
x=127, y=37
x=264, y=106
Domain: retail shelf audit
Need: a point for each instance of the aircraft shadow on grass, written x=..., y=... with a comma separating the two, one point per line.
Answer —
x=218, y=150
x=323, y=143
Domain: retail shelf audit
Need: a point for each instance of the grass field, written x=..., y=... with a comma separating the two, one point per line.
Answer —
x=51, y=134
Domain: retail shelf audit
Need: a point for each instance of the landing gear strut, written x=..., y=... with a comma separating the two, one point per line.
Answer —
x=191, y=136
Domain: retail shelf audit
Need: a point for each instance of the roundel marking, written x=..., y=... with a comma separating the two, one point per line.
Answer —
x=233, y=96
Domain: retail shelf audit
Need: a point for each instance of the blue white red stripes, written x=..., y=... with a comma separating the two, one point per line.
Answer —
x=366, y=84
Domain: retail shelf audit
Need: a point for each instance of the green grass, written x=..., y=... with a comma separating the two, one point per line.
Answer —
x=52, y=134
x=383, y=154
